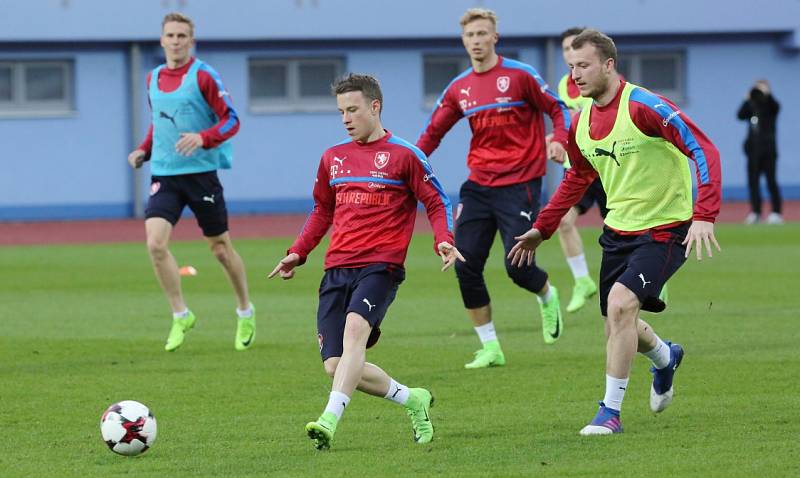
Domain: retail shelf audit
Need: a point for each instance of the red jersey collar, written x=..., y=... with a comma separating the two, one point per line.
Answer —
x=498, y=65
x=181, y=70
x=613, y=104
x=381, y=140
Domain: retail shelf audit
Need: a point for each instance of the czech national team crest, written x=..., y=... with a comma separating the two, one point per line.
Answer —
x=381, y=159
x=503, y=82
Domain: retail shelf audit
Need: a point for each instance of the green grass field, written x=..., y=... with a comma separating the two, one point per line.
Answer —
x=82, y=327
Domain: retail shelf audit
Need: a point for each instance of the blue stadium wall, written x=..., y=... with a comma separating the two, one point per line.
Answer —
x=74, y=166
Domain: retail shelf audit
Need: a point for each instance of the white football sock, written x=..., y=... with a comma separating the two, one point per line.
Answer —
x=659, y=355
x=181, y=315
x=545, y=298
x=245, y=314
x=578, y=266
x=615, y=392
x=397, y=393
x=337, y=403
x=486, y=332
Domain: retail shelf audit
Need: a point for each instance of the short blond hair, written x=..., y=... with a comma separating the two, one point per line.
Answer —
x=180, y=18
x=478, y=14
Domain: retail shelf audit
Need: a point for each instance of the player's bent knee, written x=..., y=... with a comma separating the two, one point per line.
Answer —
x=465, y=271
x=623, y=306
x=157, y=248
x=356, y=329
x=532, y=280
x=567, y=224
x=330, y=366
x=221, y=251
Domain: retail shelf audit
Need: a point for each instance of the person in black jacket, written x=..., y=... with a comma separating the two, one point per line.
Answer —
x=761, y=110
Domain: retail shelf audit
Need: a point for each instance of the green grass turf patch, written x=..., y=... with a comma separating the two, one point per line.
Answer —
x=82, y=327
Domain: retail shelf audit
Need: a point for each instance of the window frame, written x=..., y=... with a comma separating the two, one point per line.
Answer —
x=293, y=102
x=635, y=59
x=20, y=106
x=463, y=62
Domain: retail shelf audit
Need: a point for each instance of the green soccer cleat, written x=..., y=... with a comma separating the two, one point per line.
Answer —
x=322, y=430
x=584, y=288
x=491, y=355
x=178, y=331
x=246, y=331
x=552, y=323
x=418, y=405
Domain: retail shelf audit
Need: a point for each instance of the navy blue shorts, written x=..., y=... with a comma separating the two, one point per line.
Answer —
x=642, y=263
x=202, y=192
x=594, y=195
x=367, y=291
x=482, y=212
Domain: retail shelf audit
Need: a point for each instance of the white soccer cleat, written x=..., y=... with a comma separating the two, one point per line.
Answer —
x=774, y=219
x=662, y=379
x=605, y=422
x=659, y=402
x=589, y=430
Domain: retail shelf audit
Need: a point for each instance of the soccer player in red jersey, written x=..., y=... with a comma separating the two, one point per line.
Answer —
x=570, y=239
x=192, y=120
x=367, y=187
x=505, y=102
x=638, y=144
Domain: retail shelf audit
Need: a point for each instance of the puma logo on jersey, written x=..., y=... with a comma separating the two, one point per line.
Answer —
x=465, y=91
x=209, y=199
x=526, y=215
x=340, y=160
x=610, y=154
x=644, y=282
x=161, y=114
x=364, y=300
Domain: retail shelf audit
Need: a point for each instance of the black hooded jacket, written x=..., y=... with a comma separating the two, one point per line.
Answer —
x=761, y=111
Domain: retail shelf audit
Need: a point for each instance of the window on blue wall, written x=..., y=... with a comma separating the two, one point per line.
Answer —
x=661, y=72
x=36, y=87
x=439, y=71
x=293, y=85
x=5, y=84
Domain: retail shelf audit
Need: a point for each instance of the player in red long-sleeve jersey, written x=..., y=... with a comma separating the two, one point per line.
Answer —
x=192, y=120
x=638, y=144
x=505, y=102
x=367, y=188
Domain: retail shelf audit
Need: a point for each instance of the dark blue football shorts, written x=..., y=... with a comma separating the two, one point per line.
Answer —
x=642, y=263
x=594, y=195
x=202, y=192
x=367, y=291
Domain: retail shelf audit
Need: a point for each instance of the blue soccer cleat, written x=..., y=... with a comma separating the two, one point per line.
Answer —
x=606, y=422
x=661, y=391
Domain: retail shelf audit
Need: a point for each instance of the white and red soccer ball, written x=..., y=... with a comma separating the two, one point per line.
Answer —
x=128, y=428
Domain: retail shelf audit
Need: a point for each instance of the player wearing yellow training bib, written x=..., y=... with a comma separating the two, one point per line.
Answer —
x=637, y=143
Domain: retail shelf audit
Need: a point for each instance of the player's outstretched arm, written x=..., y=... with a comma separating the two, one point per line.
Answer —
x=286, y=267
x=523, y=251
x=449, y=255
x=700, y=233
